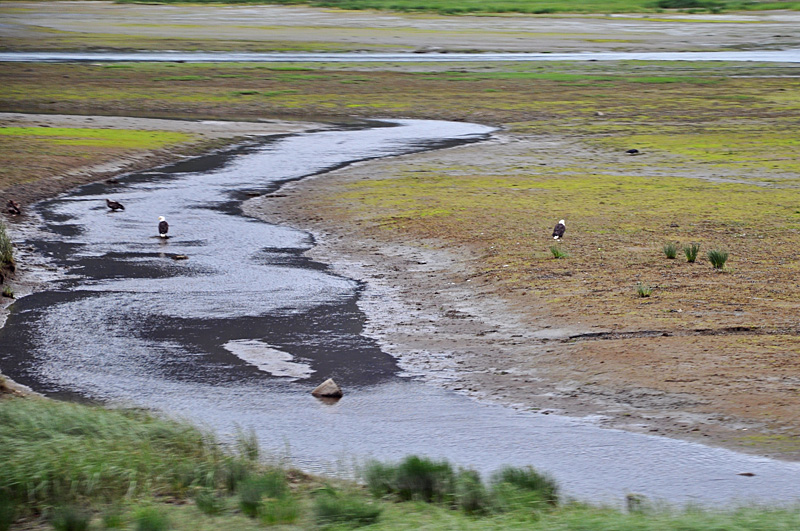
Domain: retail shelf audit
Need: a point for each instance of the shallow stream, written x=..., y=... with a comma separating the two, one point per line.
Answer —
x=237, y=333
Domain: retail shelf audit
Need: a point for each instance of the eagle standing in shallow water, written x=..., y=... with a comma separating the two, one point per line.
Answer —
x=114, y=205
x=559, y=230
x=163, y=226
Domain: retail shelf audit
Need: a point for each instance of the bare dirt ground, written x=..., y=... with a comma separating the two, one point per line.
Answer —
x=425, y=300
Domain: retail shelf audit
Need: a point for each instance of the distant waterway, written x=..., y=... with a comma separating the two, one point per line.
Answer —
x=767, y=56
x=228, y=324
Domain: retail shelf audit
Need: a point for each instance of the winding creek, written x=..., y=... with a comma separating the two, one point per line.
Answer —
x=237, y=334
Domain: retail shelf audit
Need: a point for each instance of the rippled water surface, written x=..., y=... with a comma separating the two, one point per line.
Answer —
x=238, y=333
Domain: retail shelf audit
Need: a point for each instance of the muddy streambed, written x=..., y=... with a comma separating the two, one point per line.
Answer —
x=228, y=324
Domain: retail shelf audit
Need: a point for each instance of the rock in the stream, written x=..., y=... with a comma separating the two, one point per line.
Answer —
x=328, y=389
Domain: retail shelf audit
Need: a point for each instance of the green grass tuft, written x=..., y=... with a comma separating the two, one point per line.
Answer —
x=151, y=519
x=254, y=490
x=557, y=252
x=529, y=480
x=670, y=250
x=332, y=507
x=691, y=252
x=70, y=518
x=643, y=290
x=717, y=258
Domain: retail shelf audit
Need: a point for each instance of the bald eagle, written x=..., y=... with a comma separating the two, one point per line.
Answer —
x=114, y=205
x=559, y=230
x=163, y=226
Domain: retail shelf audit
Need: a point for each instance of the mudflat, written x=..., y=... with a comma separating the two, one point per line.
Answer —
x=454, y=245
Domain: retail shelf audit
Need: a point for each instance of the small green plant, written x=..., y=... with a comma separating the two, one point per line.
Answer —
x=208, y=502
x=275, y=511
x=557, y=252
x=252, y=491
x=8, y=292
x=113, y=517
x=670, y=250
x=691, y=252
x=643, y=290
x=151, y=519
x=717, y=258
x=471, y=495
x=332, y=507
x=423, y=479
x=70, y=518
x=528, y=479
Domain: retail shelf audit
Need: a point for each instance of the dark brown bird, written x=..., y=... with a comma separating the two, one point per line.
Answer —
x=559, y=230
x=163, y=226
x=13, y=208
x=114, y=205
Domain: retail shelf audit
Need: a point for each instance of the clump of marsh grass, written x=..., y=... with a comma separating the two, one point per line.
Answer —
x=8, y=292
x=254, y=490
x=70, y=518
x=208, y=502
x=471, y=494
x=55, y=453
x=332, y=507
x=414, y=478
x=151, y=519
x=717, y=258
x=643, y=290
x=541, y=487
x=670, y=250
x=691, y=252
x=557, y=252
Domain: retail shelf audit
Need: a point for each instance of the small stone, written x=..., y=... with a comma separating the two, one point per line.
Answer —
x=328, y=389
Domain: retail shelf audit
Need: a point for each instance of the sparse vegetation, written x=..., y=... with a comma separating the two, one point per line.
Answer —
x=643, y=290
x=691, y=252
x=558, y=252
x=670, y=250
x=349, y=508
x=717, y=258
x=8, y=292
x=70, y=518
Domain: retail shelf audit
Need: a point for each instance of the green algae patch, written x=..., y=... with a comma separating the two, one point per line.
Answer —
x=112, y=138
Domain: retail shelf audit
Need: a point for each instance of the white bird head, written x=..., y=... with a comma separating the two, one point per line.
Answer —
x=162, y=218
x=561, y=221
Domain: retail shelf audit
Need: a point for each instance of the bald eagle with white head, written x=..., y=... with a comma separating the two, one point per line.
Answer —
x=163, y=226
x=559, y=230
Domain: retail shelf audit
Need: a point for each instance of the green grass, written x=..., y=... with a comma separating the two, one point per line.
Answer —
x=6, y=247
x=558, y=252
x=670, y=250
x=453, y=7
x=119, y=138
x=127, y=470
x=691, y=252
x=717, y=258
x=643, y=290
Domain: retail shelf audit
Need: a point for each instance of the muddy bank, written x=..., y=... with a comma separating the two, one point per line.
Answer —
x=428, y=306
x=33, y=272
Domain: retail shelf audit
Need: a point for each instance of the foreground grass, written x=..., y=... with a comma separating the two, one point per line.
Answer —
x=129, y=470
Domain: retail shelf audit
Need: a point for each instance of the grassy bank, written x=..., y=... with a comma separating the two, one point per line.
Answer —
x=69, y=466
